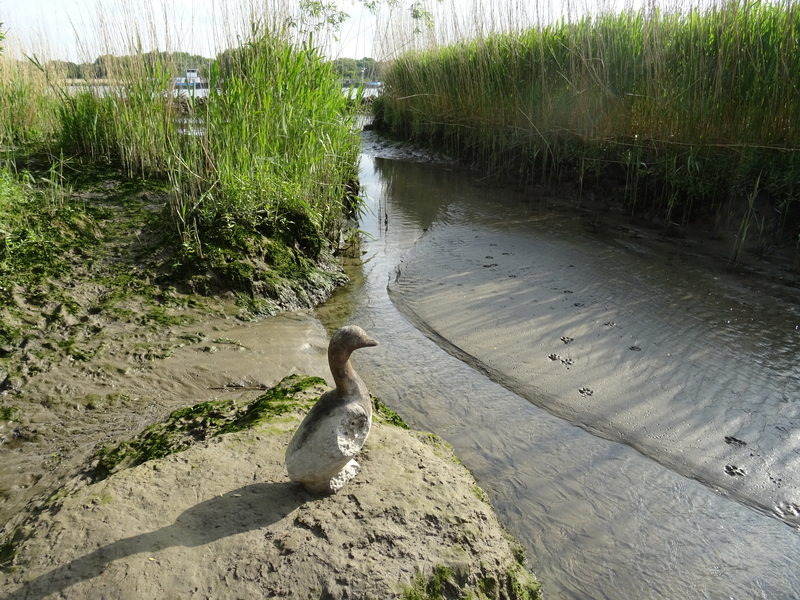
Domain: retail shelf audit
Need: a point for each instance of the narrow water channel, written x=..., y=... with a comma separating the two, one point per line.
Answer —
x=470, y=292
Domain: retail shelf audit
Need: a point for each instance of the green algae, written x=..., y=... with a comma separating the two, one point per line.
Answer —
x=433, y=588
x=387, y=415
x=274, y=402
x=517, y=584
x=9, y=413
x=187, y=426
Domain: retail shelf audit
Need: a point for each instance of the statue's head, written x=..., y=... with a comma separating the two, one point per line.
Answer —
x=350, y=338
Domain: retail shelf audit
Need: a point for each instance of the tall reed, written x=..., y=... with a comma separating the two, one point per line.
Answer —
x=685, y=110
x=274, y=149
x=277, y=145
x=28, y=112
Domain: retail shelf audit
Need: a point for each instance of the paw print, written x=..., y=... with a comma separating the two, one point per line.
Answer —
x=734, y=471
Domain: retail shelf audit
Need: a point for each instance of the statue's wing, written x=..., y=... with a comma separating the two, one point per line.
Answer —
x=352, y=430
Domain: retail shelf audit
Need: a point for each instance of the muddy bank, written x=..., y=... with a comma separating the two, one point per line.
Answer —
x=220, y=519
x=72, y=408
x=103, y=333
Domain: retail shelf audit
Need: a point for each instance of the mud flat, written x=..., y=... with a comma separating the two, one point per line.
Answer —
x=599, y=518
x=691, y=366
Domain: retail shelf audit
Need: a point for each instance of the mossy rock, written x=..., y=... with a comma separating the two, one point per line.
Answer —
x=515, y=584
x=187, y=426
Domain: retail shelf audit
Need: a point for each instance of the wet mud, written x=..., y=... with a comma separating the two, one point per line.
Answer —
x=595, y=381
x=630, y=407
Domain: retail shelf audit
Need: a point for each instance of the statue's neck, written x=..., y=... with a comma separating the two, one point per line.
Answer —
x=345, y=377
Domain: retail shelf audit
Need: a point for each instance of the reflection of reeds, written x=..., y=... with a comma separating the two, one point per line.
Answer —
x=685, y=109
x=744, y=227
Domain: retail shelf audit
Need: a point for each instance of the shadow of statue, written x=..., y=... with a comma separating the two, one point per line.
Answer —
x=245, y=509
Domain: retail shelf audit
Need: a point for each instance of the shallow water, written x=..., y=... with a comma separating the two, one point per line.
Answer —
x=608, y=460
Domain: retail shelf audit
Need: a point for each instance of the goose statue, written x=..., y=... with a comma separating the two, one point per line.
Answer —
x=320, y=454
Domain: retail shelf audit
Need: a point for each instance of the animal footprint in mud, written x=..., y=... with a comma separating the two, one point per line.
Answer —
x=729, y=439
x=565, y=339
x=778, y=481
x=564, y=361
x=584, y=391
x=734, y=471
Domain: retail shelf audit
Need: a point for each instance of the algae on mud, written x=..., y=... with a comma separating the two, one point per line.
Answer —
x=186, y=426
x=101, y=254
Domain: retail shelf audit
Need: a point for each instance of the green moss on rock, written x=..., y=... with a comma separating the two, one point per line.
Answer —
x=187, y=426
x=387, y=415
x=517, y=584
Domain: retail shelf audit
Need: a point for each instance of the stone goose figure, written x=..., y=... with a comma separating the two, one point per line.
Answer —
x=320, y=455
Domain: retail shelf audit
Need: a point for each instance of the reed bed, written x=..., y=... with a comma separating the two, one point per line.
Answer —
x=274, y=142
x=682, y=114
x=272, y=152
x=28, y=112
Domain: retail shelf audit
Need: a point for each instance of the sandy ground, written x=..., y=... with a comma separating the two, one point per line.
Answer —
x=221, y=520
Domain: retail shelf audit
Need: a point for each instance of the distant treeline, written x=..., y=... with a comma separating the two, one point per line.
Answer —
x=366, y=69
x=106, y=65
x=103, y=67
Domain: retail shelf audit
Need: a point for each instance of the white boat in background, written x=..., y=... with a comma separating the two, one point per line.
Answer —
x=192, y=86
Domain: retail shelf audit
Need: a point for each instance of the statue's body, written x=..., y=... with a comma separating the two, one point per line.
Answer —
x=320, y=455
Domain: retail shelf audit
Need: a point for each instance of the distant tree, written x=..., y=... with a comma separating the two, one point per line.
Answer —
x=366, y=68
x=100, y=67
x=70, y=70
x=345, y=67
x=363, y=69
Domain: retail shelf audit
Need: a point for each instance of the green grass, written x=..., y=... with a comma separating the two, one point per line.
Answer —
x=36, y=222
x=271, y=152
x=678, y=114
x=258, y=176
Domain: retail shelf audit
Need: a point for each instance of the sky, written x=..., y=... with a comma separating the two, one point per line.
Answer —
x=81, y=30
x=75, y=30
